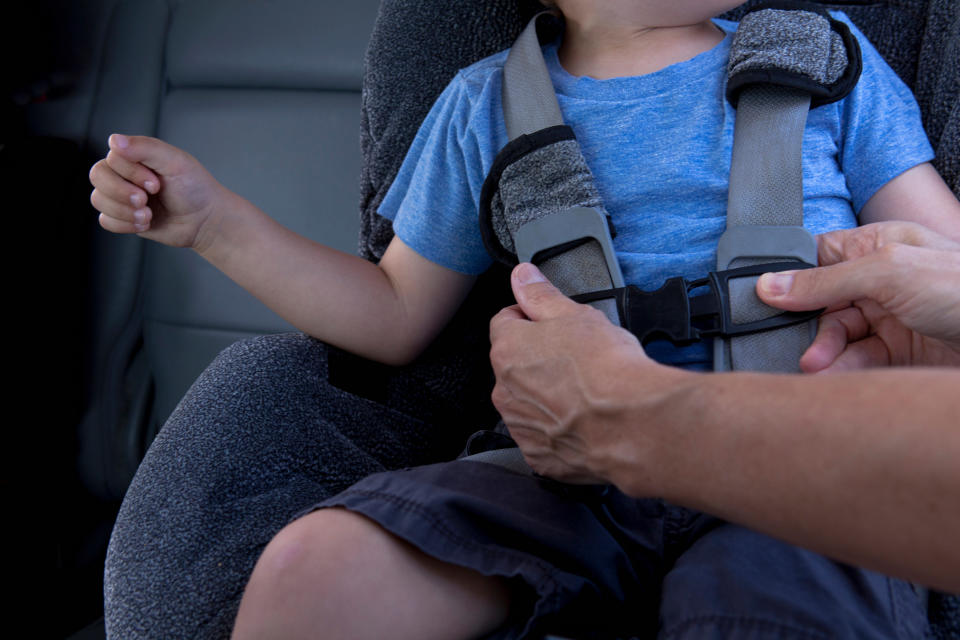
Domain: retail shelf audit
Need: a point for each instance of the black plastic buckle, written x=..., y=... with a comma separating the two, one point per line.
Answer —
x=670, y=312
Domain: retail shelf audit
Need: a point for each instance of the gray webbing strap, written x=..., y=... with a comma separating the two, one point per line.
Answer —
x=529, y=101
x=766, y=178
x=764, y=221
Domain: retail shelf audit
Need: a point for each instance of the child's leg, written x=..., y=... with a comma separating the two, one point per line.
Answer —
x=570, y=560
x=336, y=574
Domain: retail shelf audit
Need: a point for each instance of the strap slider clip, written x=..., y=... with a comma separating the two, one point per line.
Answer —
x=713, y=308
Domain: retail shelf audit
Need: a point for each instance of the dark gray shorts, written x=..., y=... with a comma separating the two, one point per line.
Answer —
x=590, y=562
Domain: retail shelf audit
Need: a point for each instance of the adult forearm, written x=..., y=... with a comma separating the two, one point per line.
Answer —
x=861, y=467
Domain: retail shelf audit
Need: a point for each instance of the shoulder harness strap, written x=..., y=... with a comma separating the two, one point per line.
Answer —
x=785, y=58
x=539, y=202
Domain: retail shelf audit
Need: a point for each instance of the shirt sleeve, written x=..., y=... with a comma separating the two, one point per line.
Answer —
x=883, y=134
x=433, y=200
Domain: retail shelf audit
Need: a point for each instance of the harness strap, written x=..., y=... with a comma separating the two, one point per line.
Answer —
x=765, y=223
x=539, y=202
x=529, y=101
x=772, y=81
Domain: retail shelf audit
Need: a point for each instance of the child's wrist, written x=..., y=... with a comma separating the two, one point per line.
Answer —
x=214, y=231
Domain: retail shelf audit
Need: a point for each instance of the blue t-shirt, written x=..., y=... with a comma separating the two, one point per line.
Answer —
x=659, y=146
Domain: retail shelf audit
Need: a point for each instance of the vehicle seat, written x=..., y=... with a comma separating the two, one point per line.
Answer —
x=267, y=96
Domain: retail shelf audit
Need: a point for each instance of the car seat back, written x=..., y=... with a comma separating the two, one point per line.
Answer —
x=266, y=94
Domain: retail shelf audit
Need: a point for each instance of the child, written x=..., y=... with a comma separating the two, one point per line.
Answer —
x=491, y=549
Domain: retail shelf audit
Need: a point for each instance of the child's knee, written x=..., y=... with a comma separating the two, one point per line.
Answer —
x=316, y=548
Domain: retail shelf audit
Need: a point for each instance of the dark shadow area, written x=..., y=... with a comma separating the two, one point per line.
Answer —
x=56, y=530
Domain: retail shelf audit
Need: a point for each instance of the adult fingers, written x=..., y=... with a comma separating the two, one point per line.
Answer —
x=870, y=277
x=550, y=456
x=849, y=244
x=836, y=330
x=863, y=354
x=503, y=318
x=537, y=298
x=504, y=335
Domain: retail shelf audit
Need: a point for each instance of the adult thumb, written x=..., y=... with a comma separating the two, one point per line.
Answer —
x=537, y=297
x=822, y=286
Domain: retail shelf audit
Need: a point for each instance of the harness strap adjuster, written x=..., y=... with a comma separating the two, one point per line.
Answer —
x=672, y=313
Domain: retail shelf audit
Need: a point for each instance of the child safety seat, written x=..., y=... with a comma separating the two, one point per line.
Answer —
x=917, y=38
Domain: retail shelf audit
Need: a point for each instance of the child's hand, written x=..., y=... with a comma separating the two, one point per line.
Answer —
x=148, y=187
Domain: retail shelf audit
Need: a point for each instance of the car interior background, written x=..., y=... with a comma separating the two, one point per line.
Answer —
x=267, y=95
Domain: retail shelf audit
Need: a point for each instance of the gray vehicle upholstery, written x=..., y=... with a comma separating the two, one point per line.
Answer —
x=267, y=96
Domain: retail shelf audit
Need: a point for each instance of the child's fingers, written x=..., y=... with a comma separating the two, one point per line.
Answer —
x=118, y=199
x=112, y=186
x=117, y=225
x=138, y=217
x=133, y=172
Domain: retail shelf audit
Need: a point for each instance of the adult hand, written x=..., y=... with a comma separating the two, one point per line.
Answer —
x=892, y=292
x=565, y=380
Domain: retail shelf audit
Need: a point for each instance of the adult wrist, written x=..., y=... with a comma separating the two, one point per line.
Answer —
x=654, y=422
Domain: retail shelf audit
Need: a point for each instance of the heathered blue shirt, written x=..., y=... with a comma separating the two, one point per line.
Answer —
x=659, y=147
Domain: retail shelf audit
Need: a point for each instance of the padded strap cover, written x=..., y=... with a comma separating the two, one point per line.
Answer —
x=794, y=44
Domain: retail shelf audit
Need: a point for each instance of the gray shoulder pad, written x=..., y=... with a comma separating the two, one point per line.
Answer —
x=795, y=45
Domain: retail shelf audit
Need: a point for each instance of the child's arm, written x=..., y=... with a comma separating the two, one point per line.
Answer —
x=388, y=312
x=916, y=195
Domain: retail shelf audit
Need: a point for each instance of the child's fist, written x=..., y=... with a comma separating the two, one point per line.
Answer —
x=151, y=188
